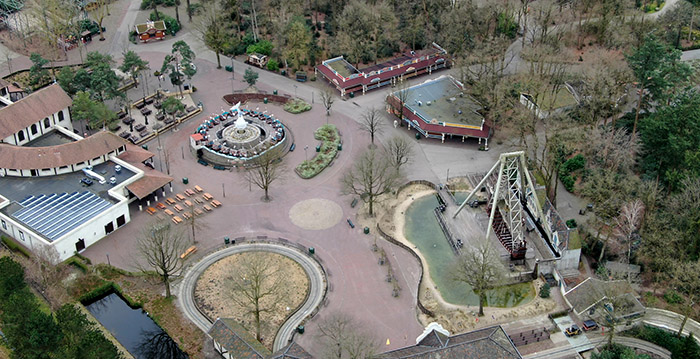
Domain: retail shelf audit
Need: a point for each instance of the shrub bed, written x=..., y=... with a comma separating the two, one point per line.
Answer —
x=15, y=247
x=330, y=138
x=684, y=347
x=296, y=106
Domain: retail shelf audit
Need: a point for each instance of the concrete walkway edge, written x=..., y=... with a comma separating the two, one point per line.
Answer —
x=317, y=286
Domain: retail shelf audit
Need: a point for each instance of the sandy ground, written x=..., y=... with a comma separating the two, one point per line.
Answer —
x=315, y=214
x=214, y=299
x=455, y=318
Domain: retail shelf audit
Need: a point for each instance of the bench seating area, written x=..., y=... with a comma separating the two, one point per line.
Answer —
x=188, y=252
x=196, y=205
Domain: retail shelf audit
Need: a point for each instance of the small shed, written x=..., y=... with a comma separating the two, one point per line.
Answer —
x=257, y=59
x=151, y=30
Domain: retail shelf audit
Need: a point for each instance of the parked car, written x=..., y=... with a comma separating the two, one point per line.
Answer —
x=86, y=181
x=572, y=331
x=589, y=325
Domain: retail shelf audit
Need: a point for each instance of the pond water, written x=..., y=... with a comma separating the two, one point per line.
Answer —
x=423, y=230
x=137, y=332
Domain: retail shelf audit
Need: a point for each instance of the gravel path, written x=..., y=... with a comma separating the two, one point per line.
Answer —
x=317, y=287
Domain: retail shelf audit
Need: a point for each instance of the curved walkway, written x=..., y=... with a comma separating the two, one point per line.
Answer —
x=317, y=286
x=672, y=321
x=568, y=351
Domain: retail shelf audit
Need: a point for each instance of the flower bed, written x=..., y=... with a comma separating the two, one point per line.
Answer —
x=296, y=106
x=329, y=149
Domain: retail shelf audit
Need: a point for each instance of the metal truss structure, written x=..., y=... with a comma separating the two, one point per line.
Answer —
x=514, y=194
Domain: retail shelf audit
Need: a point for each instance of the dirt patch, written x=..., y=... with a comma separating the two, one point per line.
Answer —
x=31, y=44
x=316, y=214
x=213, y=297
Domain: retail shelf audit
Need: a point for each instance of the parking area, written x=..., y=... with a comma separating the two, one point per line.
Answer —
x=576, y=341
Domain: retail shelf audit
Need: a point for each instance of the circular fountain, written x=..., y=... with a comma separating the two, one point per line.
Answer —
x=238, y=136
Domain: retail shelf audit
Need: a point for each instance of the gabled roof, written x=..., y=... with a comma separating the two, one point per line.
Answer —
x=236, y=340
x=32, y=109
x=591, y=291
x=291, y=351
x=152, y=180
x=22, y=157
x=487, y=343
x=135, y=154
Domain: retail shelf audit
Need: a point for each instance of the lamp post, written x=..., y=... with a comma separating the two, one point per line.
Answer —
x=306, y=152
x=295, y=91
x=108, y=263
x=233, y=74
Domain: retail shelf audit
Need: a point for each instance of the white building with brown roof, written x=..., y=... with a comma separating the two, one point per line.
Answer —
x=60, y=191
x=35, y=115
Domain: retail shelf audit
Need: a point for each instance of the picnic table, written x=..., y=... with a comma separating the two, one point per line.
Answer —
x=125, y=134
x=178, y=208
x=188, y=252
x=140, y=127
x=207, y=196
x=215, y=203
x=160, y=117
x=150, y=210
x=180, y=197
x=169, y=212
x=170, y=201
x=127, y=120
x=160, y=205
x=144, y=133
x=207, y=208
x=146, y=111
x=140, y=105
x=189, y=192
x=177, y=220
x=188, y=203
x=198, y=189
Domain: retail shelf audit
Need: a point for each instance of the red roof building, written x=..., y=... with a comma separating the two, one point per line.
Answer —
x=347, y=79
x=440, y=109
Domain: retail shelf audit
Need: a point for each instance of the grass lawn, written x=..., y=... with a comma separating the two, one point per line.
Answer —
x=561, y=98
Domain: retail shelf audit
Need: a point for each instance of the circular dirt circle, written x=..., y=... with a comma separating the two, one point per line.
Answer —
x=316, y=214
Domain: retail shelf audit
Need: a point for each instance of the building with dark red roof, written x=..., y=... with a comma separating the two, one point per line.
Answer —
x=440, y=109
x=349, y=80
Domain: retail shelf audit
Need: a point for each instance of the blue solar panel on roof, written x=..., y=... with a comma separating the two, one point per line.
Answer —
x=56, y=214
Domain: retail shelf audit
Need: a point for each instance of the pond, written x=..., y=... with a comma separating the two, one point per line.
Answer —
x=135, y=330
x=423, y=230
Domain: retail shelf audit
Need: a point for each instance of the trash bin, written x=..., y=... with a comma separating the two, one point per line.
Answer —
x=300, y=329
x=274, y=92
x=366, y=230
x=340, y=147
x=265, y=100
x=352, y=95
x=185, y=180
x=312, y=250
x=318, y=148
x=145, y=147
x=227, y=240
x=417, y=135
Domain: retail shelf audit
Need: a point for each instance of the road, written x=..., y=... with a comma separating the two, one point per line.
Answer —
x=671, y=321
x=317, y=286
x=572, y=352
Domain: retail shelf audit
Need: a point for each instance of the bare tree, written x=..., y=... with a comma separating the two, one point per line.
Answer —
x=267, y=169
x=372, y=122
x=255, y=286
x=398, y=99
x=370, y=177
x=342, y=337
x=100, y=11
x=195, y=223
x=481, y=268
x=45, y=273
x=399, y=151
x=160, y=245
x=327, y=97
x=687, y=281
x=627, y=225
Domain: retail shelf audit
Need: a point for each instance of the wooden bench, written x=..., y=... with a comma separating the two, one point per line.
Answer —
x=169, y=212
x=189, y=192
x=207, y=208
x=178, y=208
x=188, y=203
x=160, y=205
x=150, y=210
x=188, y=252
x=198, y=189
x=180, y=197
x=207, y=197
x=187, y=215
x=198, y=211
x=177, y=220
x=170, y=201
x=215, y=203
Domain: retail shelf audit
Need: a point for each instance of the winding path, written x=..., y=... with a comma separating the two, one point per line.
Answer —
x=317, y=286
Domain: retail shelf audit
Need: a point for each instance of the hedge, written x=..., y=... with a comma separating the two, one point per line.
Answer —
x=329, y=149
x=105, y=289
x=15, y=247
x=76, y=262
x=684, y=347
